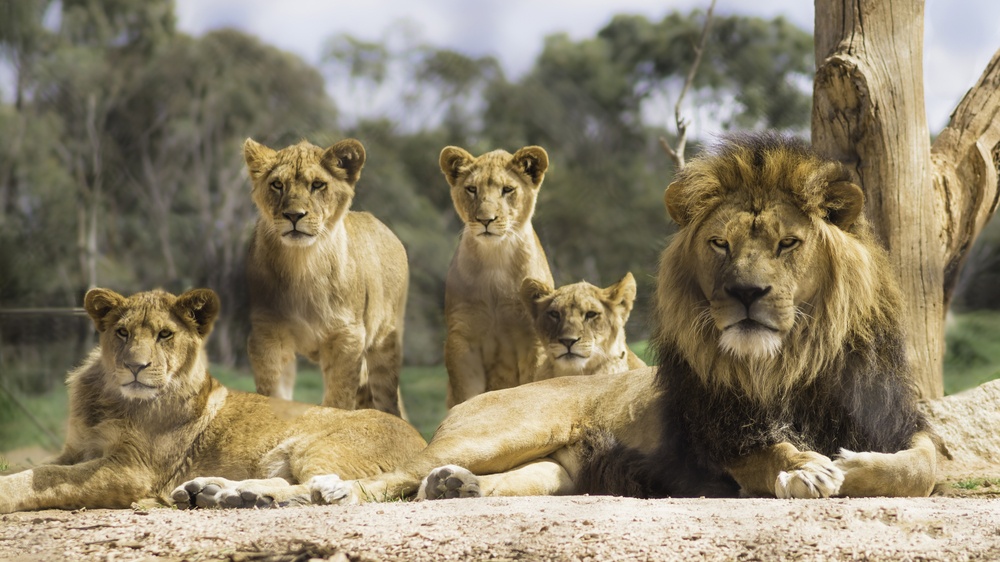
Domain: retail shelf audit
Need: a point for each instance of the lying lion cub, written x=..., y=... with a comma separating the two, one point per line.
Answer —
x=145, y=416
x=324, y=281
x=581, y=327
x=782, y=368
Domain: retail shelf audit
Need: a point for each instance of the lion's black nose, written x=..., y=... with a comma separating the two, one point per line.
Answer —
x=294, y=216
x=568, y=342
x=747, y=294
x=136, y=368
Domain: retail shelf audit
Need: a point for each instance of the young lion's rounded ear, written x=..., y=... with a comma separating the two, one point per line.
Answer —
x=532, y=291
x=200, y=307
x=622, y=293
x=347, y=155
x=258, y=157
x=673, y=200
x=454, y=161
x=99, y=303
x=844, y=202
x=531, y=161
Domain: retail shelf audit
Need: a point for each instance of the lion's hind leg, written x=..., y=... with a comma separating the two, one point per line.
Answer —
x=224, y=493
x=908, y=473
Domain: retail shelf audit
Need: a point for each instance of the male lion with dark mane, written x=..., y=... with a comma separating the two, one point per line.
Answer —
x=781, y=363
x=145, y=416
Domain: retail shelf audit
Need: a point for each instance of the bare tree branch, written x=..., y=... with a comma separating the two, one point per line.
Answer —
x=677, y=154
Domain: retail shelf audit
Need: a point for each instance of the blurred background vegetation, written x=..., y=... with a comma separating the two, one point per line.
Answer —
x=120, y=167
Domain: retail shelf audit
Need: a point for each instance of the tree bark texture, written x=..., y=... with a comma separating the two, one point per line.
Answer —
x=868, y=112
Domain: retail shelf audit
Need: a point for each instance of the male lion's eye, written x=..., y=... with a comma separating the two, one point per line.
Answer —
x=590, y=315
x=554, y=314
x=471, y=189
x=277, y=185
x=787, y=243
x=165, y=335
x=122, y=333
x=720, y=243
x=318, y=185
x=507, y=189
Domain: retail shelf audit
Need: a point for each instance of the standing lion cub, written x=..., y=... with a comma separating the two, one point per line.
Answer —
x=491, y=343
x=324, y=282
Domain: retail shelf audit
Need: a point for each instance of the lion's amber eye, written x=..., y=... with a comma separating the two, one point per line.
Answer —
x=122, y=333
x=165, y=335
x=554, y=314
x=787, y=243
x=318, y=185
x=277, y=185
x=507, y=189
x=590, y=315
x=720, y=243
x=471, y=189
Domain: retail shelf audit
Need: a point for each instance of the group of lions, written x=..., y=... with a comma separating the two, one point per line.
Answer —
x=780, y=359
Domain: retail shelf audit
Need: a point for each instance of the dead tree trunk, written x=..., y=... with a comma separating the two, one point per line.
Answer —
x=927, y=205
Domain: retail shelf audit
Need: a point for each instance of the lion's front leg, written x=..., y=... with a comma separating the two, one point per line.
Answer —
x=783, y=471
x=94, y=484
x=272, y=359
x=384, y=360
x=224, y=493
x=908, y=473
x=343, y=363
x=466, y=375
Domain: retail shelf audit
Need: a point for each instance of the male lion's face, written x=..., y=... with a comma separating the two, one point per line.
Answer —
x=494, y=194
x=150, y=342
x=759, y=270
x=302, y=191
x=579, y=322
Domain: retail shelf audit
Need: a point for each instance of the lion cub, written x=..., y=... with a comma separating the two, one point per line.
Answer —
x=145, y=416
x=324, y=282
x=490, y=343
x=581, y=327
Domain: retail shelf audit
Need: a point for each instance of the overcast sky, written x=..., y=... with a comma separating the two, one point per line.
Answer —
x=959, y=36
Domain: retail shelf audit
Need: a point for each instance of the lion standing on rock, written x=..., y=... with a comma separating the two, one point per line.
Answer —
x=145, y=416
x=781, y=363
x=491, y=343
x=324, y=281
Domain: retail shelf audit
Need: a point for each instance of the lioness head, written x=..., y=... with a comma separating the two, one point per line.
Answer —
x=303, y=191
x=151, y=342
x=772, y=241
x=494, y=194
x=579, y=323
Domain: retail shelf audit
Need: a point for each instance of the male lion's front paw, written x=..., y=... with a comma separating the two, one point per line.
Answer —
x=447, y=482
x=816, y=477
x=223, y=493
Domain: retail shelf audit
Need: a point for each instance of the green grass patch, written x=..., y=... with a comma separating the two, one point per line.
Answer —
x=977, y=483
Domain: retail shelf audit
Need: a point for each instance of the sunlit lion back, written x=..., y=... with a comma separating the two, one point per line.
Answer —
x=773, y=270
x=581, y=327
x=151, y=343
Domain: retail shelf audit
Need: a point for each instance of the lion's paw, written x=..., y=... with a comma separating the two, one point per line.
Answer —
x=447, y=482
x=229, y=494
x=817, y=478
x=330, y=489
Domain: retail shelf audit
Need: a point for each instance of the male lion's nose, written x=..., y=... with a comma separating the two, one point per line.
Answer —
x=136, y=368
x=747, y=294
x=294, y=216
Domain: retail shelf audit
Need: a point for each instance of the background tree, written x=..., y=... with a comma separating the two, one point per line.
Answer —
x=927, y=202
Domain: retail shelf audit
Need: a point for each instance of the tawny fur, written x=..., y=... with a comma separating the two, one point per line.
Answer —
x=145, y=416
x=490, y=343
x=325, y=282
x=581, y=328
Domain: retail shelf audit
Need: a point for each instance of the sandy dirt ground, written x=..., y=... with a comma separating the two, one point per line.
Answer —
x=537, y=528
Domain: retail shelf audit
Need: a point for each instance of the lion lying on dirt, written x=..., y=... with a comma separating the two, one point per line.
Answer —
x=145, y=416
x=782, y=368
x=324, y=281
